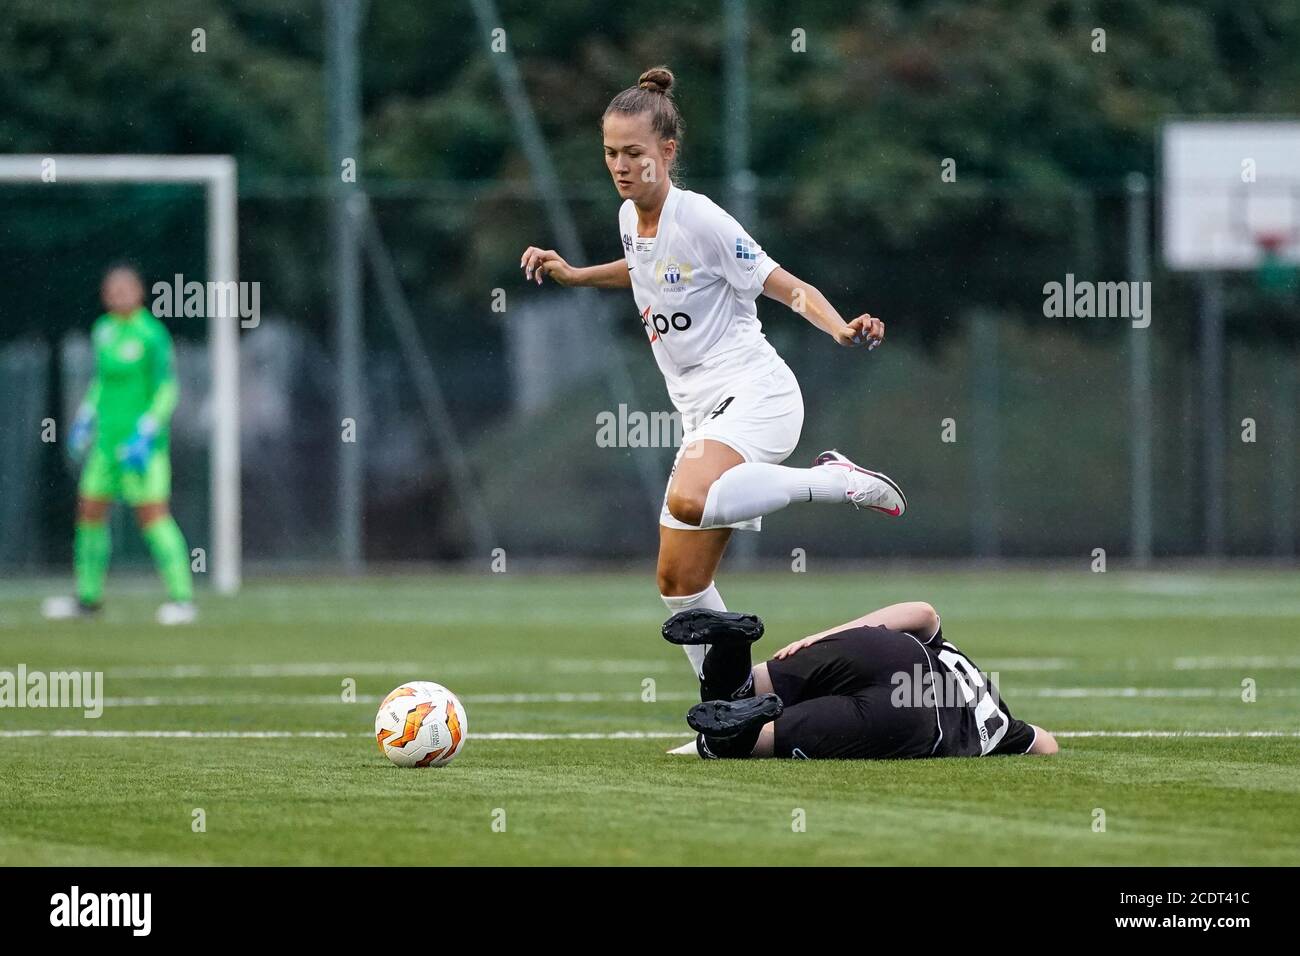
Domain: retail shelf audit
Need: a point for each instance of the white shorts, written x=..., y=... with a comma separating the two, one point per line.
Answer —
x=761, y=418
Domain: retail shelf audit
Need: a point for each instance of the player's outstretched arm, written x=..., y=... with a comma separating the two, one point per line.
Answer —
x=539, y=263
x=1044, y=743
x=806, y=299
x=915, y=617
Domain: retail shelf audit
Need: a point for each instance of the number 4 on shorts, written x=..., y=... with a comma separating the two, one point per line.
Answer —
x=723, y=407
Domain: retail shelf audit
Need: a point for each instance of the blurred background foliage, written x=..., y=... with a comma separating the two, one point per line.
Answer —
x=847, y=139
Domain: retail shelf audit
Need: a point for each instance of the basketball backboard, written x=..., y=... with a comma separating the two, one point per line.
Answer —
x=1230, y=189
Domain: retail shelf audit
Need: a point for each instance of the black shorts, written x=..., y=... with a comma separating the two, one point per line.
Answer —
x=837, y=695
x=857, y=694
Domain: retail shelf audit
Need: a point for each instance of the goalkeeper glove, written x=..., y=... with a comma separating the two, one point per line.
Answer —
x=83, y=430
x=134, y=452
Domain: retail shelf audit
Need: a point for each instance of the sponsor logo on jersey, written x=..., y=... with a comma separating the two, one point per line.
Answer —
x=130, y=351
x=645, y=320
x=746, y=249
x=627, y=242
x=661, y=324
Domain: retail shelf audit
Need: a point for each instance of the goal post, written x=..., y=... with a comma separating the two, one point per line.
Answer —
x=217, y=174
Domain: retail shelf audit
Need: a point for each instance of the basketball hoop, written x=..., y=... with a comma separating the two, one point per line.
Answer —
x=1272, y=243
x=1274, y=274
x=1213, y=216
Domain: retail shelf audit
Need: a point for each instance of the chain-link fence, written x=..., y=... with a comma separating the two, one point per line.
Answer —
x=1010, y=428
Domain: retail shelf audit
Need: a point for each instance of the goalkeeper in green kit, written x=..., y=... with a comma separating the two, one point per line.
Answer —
x=121, y=432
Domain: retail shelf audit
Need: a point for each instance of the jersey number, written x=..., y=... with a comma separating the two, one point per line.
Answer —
x=989, y=718
x=722, y=408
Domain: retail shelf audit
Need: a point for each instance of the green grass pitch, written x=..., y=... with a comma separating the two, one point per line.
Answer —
x=1208, y=778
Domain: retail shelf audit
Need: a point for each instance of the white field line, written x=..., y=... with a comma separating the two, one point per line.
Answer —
x=1232, y=663
x=331, y=734
x=615, y=735
x=1200, y=734
x=1030, y=664
x=380, y=668
x=372, y=699
x=256, y=700
x=622, y=666
x=1147, y=692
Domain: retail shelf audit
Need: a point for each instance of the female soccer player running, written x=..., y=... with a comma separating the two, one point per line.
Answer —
x=123, y=425
x=695, y=274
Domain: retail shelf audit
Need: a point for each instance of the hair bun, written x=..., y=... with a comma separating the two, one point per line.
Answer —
x=657, y=79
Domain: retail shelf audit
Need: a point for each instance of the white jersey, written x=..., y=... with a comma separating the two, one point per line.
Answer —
x=695, y=283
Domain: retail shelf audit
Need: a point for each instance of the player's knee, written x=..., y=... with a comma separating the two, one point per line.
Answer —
x=686, y=506
x=932, y=618
x=665, y=581
x=146, y=515
x=90, y=509
x=680, y=582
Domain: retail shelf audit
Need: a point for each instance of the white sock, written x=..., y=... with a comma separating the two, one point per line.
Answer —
x=709, y=599
x=754, y=488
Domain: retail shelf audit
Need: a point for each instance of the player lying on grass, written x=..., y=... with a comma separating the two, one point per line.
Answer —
x=886, y=685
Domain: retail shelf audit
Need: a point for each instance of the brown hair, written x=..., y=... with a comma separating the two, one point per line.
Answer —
x=652, y=94
x=123, y=265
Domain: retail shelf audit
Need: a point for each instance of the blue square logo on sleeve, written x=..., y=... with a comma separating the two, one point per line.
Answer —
x=745, y=248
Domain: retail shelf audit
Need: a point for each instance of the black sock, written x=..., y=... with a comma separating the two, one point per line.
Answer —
x=739, y=746
x=727, y=673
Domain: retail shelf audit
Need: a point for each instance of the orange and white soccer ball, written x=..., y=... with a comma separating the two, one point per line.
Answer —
x=421, y=724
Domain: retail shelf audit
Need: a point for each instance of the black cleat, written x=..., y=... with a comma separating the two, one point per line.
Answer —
x=698, y=626
x=729, y=718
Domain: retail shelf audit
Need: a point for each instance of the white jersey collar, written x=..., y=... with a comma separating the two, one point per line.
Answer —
x=645, y=247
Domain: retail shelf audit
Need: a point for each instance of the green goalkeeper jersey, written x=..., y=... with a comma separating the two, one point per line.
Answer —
x=134, y=375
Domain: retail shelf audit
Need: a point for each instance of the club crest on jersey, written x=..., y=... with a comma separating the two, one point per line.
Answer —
x=673, y=274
